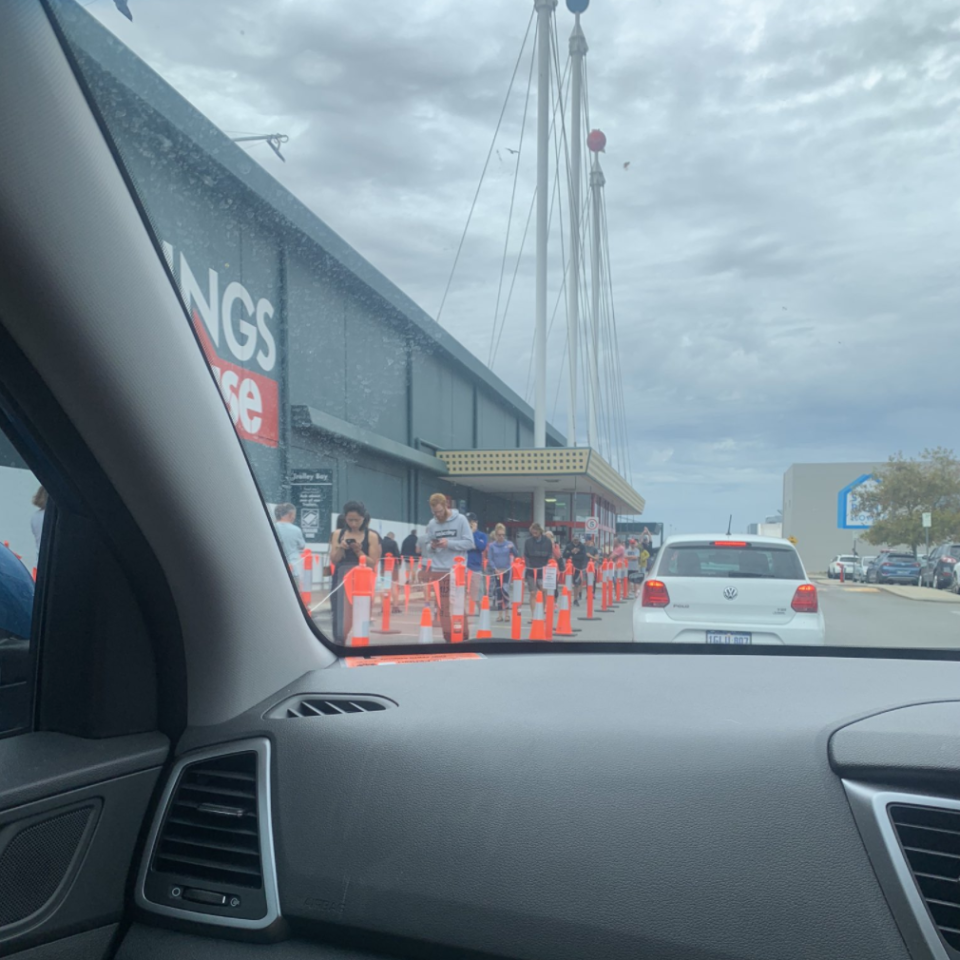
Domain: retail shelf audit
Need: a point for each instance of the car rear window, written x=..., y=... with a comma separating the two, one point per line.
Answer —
x=898, y=556
x=708, y=560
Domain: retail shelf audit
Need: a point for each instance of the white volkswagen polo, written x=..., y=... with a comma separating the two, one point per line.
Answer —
x=728, y=590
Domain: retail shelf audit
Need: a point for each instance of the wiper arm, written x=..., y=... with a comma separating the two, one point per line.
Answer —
x=743, y=575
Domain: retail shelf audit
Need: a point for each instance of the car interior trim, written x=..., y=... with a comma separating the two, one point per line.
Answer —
x=870, y=805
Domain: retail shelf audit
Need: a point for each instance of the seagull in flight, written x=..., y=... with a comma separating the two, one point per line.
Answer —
x=511, y=150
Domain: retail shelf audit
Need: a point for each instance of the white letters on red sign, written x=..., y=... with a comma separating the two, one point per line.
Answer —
x=251, y=397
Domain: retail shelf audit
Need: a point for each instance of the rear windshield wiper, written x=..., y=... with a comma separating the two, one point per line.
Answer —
x=753, y=576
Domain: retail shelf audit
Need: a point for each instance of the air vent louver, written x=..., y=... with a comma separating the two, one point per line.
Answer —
x=327, y=705
x=930, y=838
x=211, y=832
x=316, y=707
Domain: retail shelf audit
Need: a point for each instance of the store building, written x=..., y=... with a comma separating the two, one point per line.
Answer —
x=339, y=385
x=819, y=510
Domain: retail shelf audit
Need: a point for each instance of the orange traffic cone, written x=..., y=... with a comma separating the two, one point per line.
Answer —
x=359, y=588
x=426, y=626
x=538, y=629
x=483, y=629
x=306, y=577
x=564, y=626
x=385, y=627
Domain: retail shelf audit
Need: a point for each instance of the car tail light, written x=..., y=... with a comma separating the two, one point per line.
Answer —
x=655, y=594
x=805, y=599
x=730, y=543
x=948, y=560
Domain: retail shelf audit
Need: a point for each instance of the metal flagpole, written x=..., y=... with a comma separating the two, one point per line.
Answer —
x=578, y=50
x=544, y=9
x=596, y=142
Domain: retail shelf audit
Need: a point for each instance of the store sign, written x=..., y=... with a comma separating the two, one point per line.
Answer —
x=849, y=517
x=237, y=338
x=312, y=495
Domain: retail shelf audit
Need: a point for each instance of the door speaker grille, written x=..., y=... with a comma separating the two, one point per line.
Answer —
x=35, y=861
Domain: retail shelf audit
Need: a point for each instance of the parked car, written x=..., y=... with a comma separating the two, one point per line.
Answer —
x=860, y=572
x=894, y=568
x=724, y=590
x=937, y=570
x=847, y=561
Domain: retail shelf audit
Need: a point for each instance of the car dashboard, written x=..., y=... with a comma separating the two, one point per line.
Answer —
x=575, y=805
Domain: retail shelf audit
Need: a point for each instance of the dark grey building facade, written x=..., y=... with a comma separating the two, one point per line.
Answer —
x=339, y=385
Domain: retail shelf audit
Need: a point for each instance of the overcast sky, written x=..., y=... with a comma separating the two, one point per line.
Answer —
x=785, y=242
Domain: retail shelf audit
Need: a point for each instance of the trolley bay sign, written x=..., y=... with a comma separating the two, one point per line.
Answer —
x=312, y=495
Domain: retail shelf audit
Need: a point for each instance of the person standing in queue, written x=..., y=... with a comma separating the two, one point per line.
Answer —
x=590, y=548
x=537, y=553
x=448, y=536
x=410, y=552
x=500, y=555
x=576, y=553
x=352, y=540
x=634, y=575
x=36, y=521
x=389, y=548
x=290, y=536
x=475, y=558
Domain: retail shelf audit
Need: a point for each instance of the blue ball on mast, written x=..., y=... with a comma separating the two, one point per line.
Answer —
x=578, y=6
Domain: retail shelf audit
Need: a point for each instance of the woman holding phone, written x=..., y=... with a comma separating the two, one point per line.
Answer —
x=352, y=540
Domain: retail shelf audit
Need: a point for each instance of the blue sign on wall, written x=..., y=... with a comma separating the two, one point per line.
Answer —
x=848, y=517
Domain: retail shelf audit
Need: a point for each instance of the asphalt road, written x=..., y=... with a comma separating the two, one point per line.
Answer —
x=865, y=616
x=855, y=615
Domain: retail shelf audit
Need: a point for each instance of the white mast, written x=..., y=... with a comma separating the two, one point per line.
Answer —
x=544, y=9
x=578, y=50
x=596, y=142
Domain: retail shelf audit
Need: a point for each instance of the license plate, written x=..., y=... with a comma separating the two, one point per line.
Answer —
x=716, y=636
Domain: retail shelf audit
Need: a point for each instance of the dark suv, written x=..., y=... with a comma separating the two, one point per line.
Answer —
x=938, y=567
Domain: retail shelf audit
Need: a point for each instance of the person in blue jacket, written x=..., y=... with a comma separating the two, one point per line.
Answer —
x=16, y=596
x=475, y=558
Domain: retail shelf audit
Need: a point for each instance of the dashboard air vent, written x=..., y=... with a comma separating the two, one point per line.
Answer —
x=210, y=854
x=930, y=838
x=211, y=832
x=327, y=705
x=332, y=708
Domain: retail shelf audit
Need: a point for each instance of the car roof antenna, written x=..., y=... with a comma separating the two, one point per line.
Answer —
x=729, y=524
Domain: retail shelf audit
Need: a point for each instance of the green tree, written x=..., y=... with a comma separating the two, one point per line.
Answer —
x=905, y=490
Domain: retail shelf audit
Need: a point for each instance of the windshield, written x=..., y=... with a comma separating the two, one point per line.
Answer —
x=707, y=560
x=502, y=297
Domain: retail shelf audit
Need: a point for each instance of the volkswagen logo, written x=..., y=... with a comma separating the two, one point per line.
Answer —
x=731, y=593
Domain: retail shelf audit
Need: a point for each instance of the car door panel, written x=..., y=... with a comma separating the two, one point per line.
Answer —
x=71, y=812
x=89, y=945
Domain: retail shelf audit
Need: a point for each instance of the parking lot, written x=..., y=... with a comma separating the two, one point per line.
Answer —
x=868, y=616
